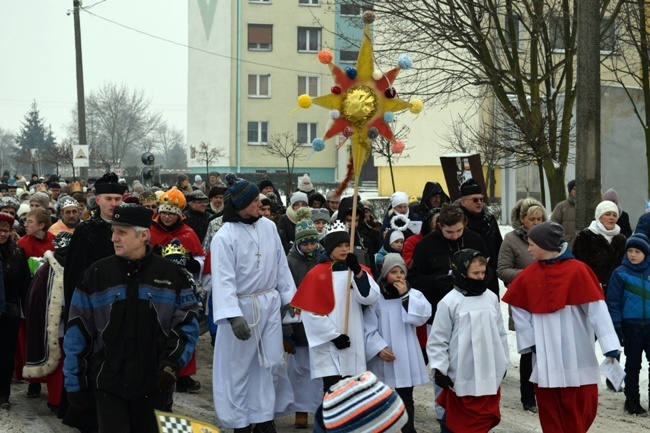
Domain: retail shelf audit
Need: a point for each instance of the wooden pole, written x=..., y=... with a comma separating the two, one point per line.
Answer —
x=353, y=226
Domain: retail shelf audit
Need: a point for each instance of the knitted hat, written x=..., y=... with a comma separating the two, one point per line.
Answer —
x=241, y=192
x=214, y=173
x=175, y=252
x=604, y=207
x=321, y=214
x=395, y=235
x=640, y=242
x=547, y=235
x=172, y=201
x=612, y=195
x=264, y=183
x=470, y=187
x=22, y=210
x=337, y=235
x=571, y=185
x=216, y=190
x=198, y=178
x=362, y=404
x=305, y=229
x=390, y=261
x=41, y=199
x=196, y=195
x=265, y=200
x=109, y=184
x=304, y=184
x=7, y=218
x=298, y=196
x=9, y=202
x=367, y=204
x=399, y=198
x=331, y=196
x=61, y=242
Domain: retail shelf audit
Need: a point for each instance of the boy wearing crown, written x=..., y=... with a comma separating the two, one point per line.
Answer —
x=322, y=296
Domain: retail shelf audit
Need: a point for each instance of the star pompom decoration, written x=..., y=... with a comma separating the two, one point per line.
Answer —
x=362, y=101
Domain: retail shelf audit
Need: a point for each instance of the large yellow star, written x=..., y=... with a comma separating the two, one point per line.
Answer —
x=363, y=100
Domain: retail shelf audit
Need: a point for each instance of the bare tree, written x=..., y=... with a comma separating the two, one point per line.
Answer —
x=285, y=146
x=166, y=138
x=206, y=154
x=60, y=154
x=8, y=150
x=519, y=54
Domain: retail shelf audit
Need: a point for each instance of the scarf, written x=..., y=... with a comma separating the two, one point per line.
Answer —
x=598, y=228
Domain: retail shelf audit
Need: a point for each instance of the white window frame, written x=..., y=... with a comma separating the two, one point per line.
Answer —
x=257, y=93
x=349, y=62
x=309, y=3
x=308, y=81
x=260, y=133
x=264, y=2
x=308, y=31
x=312, y=132
x=259, y=46
x=557, y=20
x=614, y=36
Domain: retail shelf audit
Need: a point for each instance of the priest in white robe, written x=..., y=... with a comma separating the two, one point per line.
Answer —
x=251, y=282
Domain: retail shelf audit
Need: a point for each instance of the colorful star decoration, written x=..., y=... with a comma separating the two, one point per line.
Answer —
x=363, y=101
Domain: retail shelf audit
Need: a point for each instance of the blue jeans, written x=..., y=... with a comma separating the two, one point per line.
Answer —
x=637, y=340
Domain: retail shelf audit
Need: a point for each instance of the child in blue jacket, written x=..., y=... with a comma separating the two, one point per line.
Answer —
x=628, y=301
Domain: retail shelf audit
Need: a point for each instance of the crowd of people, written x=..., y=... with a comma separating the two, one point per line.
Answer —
x=106, y=288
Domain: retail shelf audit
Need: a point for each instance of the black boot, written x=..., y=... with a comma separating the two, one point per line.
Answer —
x=243, y=429
x=409, y=427
x=265, y=427
x=633, y=406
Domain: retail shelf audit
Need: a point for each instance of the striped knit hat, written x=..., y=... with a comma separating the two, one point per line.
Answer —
x=305, y=229
x=241, y=192
x=363, y=404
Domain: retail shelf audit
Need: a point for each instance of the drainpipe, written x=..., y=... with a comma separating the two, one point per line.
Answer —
x=238, y=92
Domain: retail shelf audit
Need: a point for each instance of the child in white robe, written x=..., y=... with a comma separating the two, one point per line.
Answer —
x=321, y=297
x=392, y=347
x=467, y=348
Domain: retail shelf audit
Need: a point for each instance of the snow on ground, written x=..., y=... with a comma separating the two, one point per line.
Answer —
x=33, y=416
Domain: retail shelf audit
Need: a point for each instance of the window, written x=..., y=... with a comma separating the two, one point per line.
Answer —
x=516, y=40
x=608, y=35
x=260, y=1
x=259, y=86
x=309, y=2
x=349, y=56
x=308, y=85
x=260, y=37
x=556, y=35
x=258, y=133
x=350, y=9
x=308, y=39
x=307, y=132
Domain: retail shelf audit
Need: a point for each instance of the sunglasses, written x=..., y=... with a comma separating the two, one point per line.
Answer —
x=478, y=199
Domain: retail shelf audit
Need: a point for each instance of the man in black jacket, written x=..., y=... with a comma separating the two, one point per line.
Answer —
x=133, y=326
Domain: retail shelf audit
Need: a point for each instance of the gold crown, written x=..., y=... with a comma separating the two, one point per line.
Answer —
x=173, y=249
x=76, y=187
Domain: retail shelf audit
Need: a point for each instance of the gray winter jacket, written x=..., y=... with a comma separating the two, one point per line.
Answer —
x=565, y=215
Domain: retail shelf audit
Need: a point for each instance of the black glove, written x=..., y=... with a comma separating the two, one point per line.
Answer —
x=353, y=263
x=621, y=336
x=444, y=283
x=342, y=342
x=78, y=400
x=240, y=328
x=442, y=381
x=192, y=265
x=166, y=378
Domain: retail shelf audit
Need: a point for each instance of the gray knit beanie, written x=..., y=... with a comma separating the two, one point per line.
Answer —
x=547, y=235
x=390, y=261
x=40, y=198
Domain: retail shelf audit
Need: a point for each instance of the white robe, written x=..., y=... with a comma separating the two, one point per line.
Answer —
x=388, y=324
x=308, y=392
x=250, y=381
x=468, y=343
x=565, y=343
x=326, y=359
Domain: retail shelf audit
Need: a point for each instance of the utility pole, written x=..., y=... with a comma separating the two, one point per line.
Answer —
x=81, y=98
x=588, y=174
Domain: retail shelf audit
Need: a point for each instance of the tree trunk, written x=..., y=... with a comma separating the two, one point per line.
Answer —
x=392, y=177
x=588, y=112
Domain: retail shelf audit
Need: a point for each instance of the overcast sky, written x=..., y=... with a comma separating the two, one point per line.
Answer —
x=37, y=56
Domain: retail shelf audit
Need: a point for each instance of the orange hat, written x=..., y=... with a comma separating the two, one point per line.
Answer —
x=172, y=201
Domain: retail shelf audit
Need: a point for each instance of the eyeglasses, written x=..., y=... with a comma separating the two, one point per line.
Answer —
x=478, y=199
x=4, y=232
x=151, y=206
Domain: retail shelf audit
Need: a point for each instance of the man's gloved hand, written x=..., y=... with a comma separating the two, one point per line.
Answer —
x=289, y=346
x=166, y=378
x=353, y=263
x=621, y=336
x=445, y=283
x=240, y=328
x=78, y=399
x=442, y=381
x=341, y=342
x=290, y=309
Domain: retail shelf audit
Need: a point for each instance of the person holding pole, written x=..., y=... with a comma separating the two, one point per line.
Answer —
x=331, y=297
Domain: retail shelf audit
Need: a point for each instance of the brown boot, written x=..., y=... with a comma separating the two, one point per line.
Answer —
x=301, y=420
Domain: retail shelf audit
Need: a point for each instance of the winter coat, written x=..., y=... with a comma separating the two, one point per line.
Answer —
x=198, y=221
x=287, y=229
x=628, y=293
x=16, y=277
x=485, y=225
x=365, y=238
x=513, y=256
x=601, y=256
x=431, y=265
x=385, y=225
x=430, y=189
x=565, y=215
x=299, y=267
x=624, y=223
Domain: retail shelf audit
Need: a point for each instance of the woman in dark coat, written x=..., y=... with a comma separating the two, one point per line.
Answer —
x=13, y=289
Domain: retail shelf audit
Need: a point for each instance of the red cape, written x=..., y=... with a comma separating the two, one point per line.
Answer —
x=544, y=288
x=316, y=291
